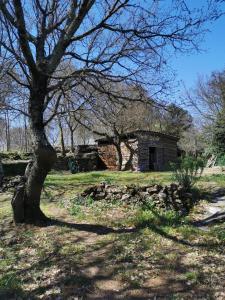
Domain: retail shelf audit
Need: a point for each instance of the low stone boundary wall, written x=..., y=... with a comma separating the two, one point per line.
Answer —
x=171, y=197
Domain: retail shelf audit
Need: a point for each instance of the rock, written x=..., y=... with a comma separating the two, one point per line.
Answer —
x=164, y=190
x=170, y=197
x=100, y=196
x=179, y=201
x=153, y=189
x=99, y=189
x=142, y=188
x=187, y=195
x=125, y=197
x=155, y=197
x=113, y=189
x=144, y=194
x=176, y=195
x=88, y=191
x=162, y=196
x=173, y=186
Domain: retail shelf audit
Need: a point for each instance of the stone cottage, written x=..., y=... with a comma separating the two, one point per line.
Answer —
x=141, y=151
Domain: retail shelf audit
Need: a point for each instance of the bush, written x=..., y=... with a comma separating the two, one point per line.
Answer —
x=73, y=166
x=187, y=171
x=221, y=160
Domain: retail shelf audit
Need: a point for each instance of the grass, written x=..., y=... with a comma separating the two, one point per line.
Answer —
x=90, y=178
x=110, y=249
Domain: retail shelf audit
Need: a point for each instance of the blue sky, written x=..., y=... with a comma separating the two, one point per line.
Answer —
x=211, y=58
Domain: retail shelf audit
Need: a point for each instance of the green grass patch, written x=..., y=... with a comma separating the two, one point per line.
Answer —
x=10, y=282
x=218, y=179
x=90, y=178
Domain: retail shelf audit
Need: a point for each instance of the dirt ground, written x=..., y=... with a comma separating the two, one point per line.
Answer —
x=101, y=253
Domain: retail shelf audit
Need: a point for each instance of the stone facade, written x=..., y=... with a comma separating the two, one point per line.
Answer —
x=155, y=151
x=146, y=151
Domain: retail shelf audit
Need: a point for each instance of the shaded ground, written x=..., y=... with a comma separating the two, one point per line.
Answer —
x=214, y=210
x=109, y=251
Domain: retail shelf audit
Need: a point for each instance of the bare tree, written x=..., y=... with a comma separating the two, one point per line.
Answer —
x=118, y=40
x=208, y=98
x=193, y=141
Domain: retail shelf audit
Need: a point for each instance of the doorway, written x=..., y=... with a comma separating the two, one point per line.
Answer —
x=152, y=158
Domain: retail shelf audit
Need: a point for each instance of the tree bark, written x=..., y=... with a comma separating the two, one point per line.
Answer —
x=63, y=150
x=26, y=203
x=7, y=131
x=71, y=140
x=128, y=165
x=25, y=135
x=119, y=156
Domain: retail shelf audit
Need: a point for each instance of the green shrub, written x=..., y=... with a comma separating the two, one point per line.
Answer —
x=155, y=217
x=77, y=203
x=9, y=282
x=187, y=171
x=73, y=166
x=221, y=160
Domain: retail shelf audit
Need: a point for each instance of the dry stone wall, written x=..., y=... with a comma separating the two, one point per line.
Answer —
x=171, y=197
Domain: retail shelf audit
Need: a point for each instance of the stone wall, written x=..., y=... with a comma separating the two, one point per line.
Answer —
x=171, y=197
x=130, y=157
x=107, y=153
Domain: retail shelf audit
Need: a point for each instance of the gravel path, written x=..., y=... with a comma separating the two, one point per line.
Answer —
x=214, y=212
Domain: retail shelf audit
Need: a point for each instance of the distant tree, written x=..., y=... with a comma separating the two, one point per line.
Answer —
x=208, y=98
x=176, y=120
x=209, y=101
x=192, y=141
x=219, y=134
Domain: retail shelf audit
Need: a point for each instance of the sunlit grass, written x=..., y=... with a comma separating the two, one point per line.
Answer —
x=110, y=177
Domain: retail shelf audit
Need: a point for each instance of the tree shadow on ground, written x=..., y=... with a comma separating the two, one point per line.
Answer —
x=94, y=228
x=212, y=195
x=216, y=218
x=94, y=275
x=158, y=229
x=96, y=272
x=216, y=196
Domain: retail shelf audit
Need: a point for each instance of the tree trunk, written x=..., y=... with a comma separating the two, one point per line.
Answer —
x=129, y=165
x=119, y=156
x=63, y=150
x=25, y=135
x=26, y=201
x=71, y=140
x=7, y=131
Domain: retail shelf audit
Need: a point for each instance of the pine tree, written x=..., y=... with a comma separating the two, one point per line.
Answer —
x=219, y=134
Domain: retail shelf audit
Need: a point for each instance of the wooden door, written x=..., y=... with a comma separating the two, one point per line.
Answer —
x=152, y=158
